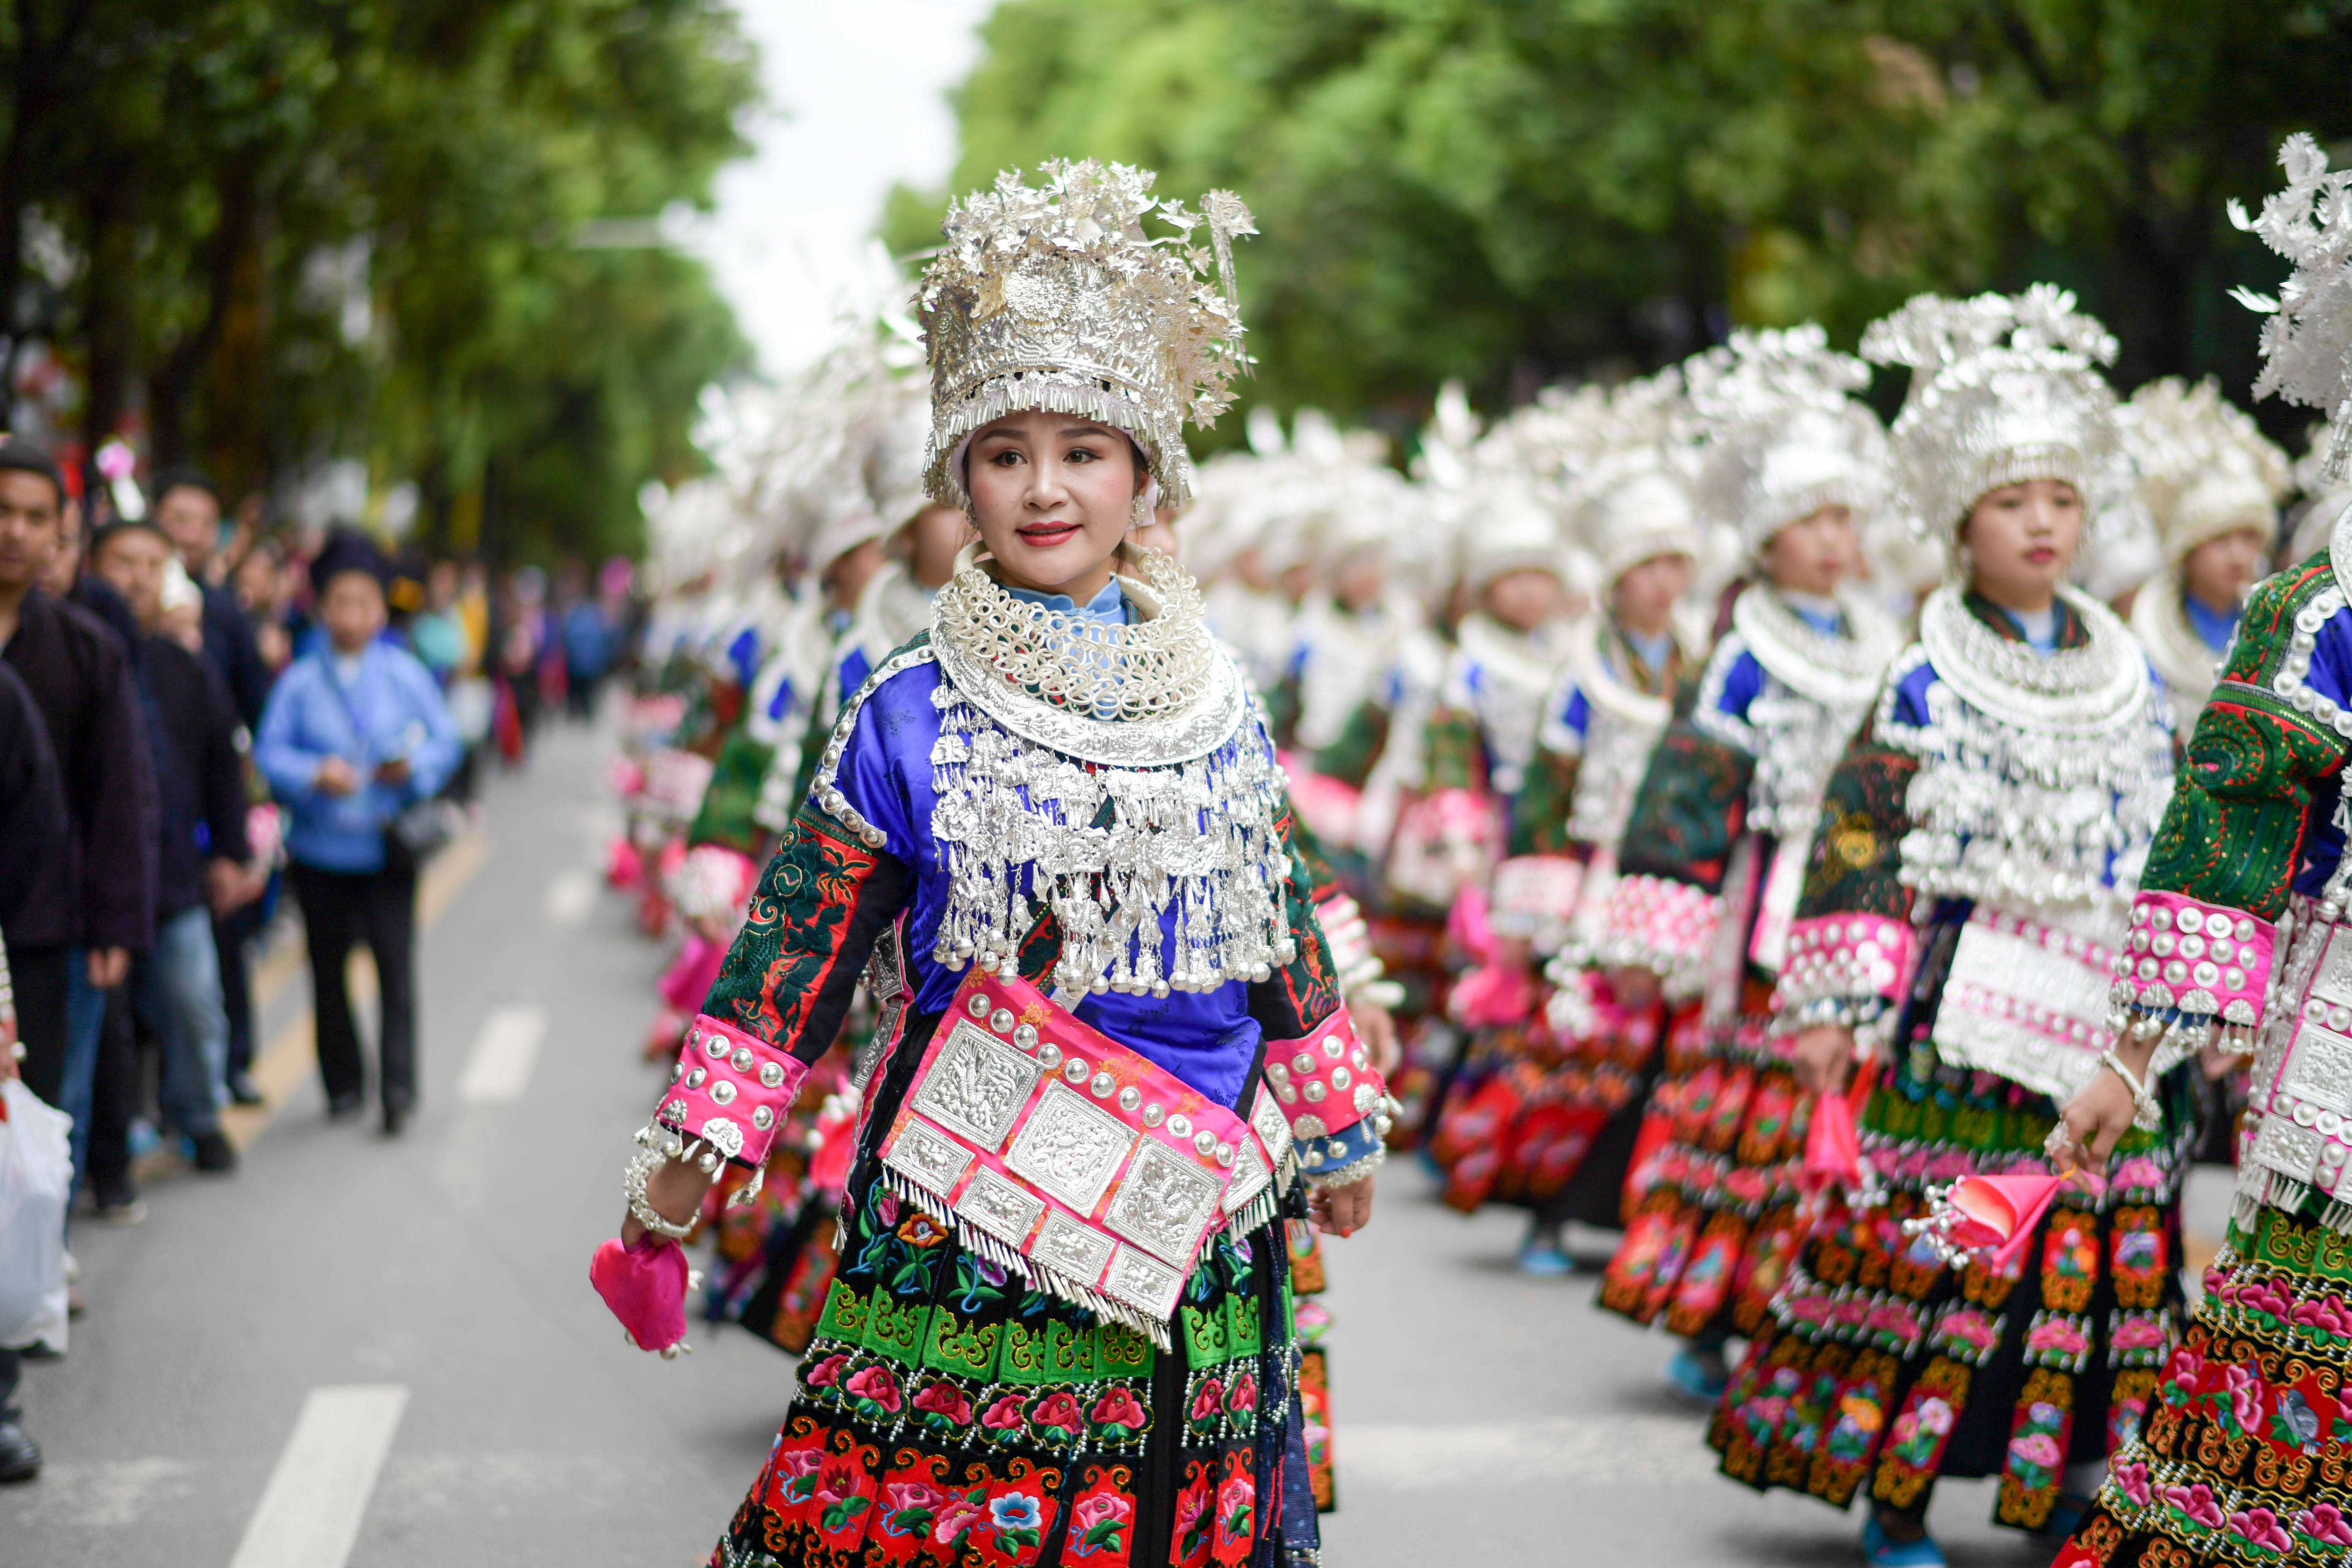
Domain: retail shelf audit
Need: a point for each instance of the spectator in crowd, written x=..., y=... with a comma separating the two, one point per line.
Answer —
x=589, y=633
x=200, y=868
x=355, y=734
x=34, y=836
x=188, y=510
x=93, y=905
x=259, y=584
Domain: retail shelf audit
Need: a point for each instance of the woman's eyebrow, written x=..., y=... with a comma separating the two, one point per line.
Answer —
x=1075, y=430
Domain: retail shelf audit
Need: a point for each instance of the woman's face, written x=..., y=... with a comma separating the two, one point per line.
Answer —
x=1525, y=598
x=2024, y=538
x=353, y=609
x=1813, y=555
x=1053, y=495
x=2220, y=572
x=1645, y=593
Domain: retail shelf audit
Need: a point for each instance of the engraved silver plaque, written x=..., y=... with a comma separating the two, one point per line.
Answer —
x=1272, y=1127
x=2283, y=1147
x=1000, y=1208
x=1070, y=1147
x=1163, y=1202
x=1250, y=1177
x=2319, y=1067
x=977, y=1085
x=927, y=1157
x=1143, y=1282
x=1071, y=1247
x=2332, y=979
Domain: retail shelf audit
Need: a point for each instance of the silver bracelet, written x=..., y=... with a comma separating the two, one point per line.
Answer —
x=646, y=1162
x=2147, y=1114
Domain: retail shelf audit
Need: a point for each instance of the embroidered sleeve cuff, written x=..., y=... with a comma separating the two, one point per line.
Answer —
x=729, y=1090
x=1535, y=896
x=1844, y=959
x=1661, y=925
x=1343, y=1158
x=2207, y=962
x=1353, y=962
x=1326, y=1083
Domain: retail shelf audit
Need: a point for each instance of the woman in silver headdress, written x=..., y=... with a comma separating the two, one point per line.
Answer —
x=1053, y=829
x=1963, y=908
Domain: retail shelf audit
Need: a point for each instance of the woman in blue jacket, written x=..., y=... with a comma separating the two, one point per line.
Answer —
x=355, y=734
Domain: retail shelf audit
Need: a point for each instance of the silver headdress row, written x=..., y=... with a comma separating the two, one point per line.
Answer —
x=2307, y=343
x=1781, y=432
x=2005, y=388
x=1053, y=298
x=2204, y=468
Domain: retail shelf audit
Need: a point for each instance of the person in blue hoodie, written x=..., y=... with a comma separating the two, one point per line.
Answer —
x=355, y=734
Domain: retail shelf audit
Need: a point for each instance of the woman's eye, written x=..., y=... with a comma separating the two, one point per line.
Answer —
x=1081, y=455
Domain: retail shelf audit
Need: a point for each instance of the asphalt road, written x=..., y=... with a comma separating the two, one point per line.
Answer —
x=420, y=1311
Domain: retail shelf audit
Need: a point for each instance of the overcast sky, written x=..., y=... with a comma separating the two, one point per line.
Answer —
x=856, y=95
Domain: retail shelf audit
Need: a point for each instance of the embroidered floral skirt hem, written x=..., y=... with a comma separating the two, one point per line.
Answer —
x=1715, y=1222
x=1881, y=1366
x=1528, y=1120
x=947, y=1415
x=2246, y=1456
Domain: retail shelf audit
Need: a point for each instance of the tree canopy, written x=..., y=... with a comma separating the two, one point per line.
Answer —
x=271, y=232
x=1511, y=193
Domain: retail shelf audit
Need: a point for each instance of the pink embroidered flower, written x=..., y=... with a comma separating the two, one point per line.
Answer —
x=800, y=1462
x=1243, y=1395
x=886, y=1208
x=2139, y=1171
x=1208, y=1400
x=2035, y=1448
x=1936, y=1414
x=2324, y=1524
x=827, y=1372
x=2057, y=1335
x=1234, y=1507
x=901, y=1497
x=2245, y=1398
x=1191, y=1503
x=956, y=1515
x=2138, y=1334
x=2131, y=1480
x=2260, y=1526
x=876, y=1384
x=2187, y=1367
x=837, y=1480
x=1005, y=1415
x=2197, y=1502
x=1101, y=1508
x=945, y=1399
x=1118, y=1407
x=1057, y=1411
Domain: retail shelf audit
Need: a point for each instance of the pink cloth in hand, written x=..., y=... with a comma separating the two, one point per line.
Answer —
x=644, y=1286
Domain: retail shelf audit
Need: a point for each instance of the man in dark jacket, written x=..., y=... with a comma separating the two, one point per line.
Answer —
x=33, y=833
x=202, y=849
x=93, y=905
x=188, y=512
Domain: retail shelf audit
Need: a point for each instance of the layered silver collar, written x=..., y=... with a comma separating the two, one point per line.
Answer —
x=2077, y=690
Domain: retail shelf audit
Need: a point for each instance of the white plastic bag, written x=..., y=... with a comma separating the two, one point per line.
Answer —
x=36, y=1180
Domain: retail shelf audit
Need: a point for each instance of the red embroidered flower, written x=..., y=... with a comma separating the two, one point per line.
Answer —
x=826, y=1372
x=1208, y=1400
x=956, y=1516
x=836, y=1480
x=2325, y=1523
x=1243, y=1396
x=876, y=1384
x=1005, y=1415
x=1057, y=1412
x=2197, y=1502
x=1118, y=1407
x=2260, y=1526
x=945, y=1399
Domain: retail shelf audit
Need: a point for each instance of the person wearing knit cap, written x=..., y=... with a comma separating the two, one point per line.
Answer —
x=1957, y=925
x=2236, y=948
x=1054, y=826
x=2212, y=484
x=1571, y=1093
x=1722, y=827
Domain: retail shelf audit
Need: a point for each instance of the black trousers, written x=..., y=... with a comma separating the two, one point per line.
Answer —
x=231, y=936
x=117, y=1093
x=339, y=910
x=39, y=974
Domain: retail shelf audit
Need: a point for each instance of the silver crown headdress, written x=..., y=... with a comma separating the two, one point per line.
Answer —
x=2205, y=470
x=2307, y=343
x=1630, y=468
x=1782, y=434
x=2005, y=388
x=1054, y=298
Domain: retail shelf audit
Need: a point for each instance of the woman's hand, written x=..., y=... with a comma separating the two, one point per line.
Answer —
x=1822, y=1057
x=2100, y=1113
x=675, y=1191
x=335, y=776
x=1341, y=1211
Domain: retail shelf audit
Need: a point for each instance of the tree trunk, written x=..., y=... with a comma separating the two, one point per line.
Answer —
x=234, y=243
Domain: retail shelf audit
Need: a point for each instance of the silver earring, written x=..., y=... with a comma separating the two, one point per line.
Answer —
x=1138, y=514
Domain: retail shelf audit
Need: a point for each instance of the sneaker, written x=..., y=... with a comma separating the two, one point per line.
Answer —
x=1546, y=1261
x=242, y=1091
x=1698, y=1378
x=343, y=1107
x=395, y=1114
x=214, y=1154
x=1881, y=1550
x=20, y=1456
x=117, y=1200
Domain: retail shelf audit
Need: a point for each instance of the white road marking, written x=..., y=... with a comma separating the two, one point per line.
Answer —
x=1608, y=1450
x=310, y=1512
x=498, y=1069
x=570, y=897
